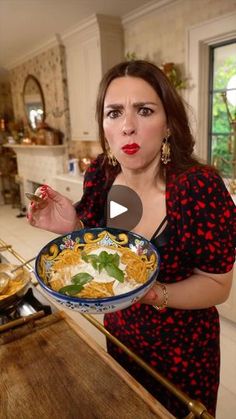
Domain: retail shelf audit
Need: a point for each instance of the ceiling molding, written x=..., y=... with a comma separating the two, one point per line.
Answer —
x=90, y=22
x=145, y=10
x=79, y=27
x=53, y=42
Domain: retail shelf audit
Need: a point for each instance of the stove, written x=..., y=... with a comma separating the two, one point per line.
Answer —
x=31, y=306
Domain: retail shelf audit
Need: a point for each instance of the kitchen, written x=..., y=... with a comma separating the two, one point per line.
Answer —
x=80, y=134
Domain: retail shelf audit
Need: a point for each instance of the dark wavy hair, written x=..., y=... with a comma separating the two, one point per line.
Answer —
x=181, y=139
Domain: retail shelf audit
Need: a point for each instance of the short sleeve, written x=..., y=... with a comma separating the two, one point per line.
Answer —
x=205, y=216
x=91, y=207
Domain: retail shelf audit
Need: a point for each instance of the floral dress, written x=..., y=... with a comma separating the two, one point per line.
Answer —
x=182, y=345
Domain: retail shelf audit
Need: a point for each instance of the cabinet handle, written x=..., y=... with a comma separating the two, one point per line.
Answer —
x=68, y=189
x=85, y=132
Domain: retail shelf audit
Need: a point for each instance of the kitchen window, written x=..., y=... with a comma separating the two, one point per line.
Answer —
x=222, y=108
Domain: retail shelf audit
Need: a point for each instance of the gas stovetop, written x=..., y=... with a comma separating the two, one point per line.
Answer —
x=32, y=305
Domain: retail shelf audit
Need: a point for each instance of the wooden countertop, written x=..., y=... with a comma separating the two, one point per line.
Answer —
x=52, y=369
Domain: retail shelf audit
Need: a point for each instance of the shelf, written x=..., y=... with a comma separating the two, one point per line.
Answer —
x=34, y=147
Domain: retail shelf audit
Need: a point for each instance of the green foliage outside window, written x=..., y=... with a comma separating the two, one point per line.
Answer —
x=222, y=144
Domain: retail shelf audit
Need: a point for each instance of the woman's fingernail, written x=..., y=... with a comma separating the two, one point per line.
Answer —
x=44, y=187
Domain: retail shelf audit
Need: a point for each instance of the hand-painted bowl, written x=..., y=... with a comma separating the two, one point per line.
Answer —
x=104, y=237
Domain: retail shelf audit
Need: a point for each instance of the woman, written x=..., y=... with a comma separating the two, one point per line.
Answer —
x=187, y=213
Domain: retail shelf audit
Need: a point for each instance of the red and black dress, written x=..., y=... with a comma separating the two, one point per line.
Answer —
x=183, y=345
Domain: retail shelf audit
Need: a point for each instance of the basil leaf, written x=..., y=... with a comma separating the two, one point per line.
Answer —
x=94, y=264
x=89, y=258
x=84, y=256
x=103, y=257
x=100, y=267
x=71, y=289
x=115, y=272
x=116, y=259
x=81, y=278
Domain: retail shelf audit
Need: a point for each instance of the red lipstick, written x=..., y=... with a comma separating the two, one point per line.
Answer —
x=131, y=148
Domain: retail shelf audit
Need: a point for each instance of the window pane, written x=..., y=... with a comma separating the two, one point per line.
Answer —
x=220, y=120
x=224, y=65
x=222, y=96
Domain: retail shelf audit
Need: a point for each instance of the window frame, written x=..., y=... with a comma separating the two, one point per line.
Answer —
x=211, y=93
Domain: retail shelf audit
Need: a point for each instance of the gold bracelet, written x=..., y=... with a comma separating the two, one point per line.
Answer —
x=165, y=297
x=81, y=223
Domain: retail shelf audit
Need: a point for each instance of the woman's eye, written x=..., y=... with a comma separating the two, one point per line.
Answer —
x=113, y=114
x=145, y=111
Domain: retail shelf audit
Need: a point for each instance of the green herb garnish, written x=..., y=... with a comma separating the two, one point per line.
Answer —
x=107, y=261
x=78, y=280
x=115, y=272
x=71, y=289
x=81, y=278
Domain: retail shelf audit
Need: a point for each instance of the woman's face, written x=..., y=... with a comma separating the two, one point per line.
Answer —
x=134, y=122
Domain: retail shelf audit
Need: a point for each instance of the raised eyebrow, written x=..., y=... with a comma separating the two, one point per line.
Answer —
x=117, y=106
x=140, y=104
x=114, y=106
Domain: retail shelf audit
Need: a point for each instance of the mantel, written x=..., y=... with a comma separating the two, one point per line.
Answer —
x=34, y=147
x=38, y=165
x=38, y=150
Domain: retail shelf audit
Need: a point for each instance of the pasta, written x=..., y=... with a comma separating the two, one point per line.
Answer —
x=16, y=282
x=91, y=271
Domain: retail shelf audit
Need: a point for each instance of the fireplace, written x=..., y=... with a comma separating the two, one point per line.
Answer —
x=37, y=165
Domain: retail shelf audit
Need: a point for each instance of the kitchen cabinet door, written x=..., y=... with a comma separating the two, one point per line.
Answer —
x=84, y=74
x=90, y=51
x=69, y=186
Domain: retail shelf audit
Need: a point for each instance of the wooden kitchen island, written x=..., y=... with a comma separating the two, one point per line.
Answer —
x=51, y=369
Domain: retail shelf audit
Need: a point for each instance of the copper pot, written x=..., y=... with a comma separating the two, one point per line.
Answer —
x=11, y=296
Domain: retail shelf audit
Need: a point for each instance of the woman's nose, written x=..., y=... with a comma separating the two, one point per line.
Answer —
x=129, y=127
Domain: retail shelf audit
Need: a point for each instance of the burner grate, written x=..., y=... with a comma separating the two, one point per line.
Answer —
x=28, y=305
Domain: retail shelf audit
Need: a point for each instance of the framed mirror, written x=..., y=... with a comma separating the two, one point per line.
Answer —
x=33, y=102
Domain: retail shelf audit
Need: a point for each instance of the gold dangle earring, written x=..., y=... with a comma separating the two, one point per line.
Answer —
x=111, y=158
x=165, y=149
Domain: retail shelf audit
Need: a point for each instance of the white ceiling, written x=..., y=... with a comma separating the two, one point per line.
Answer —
x=27, y=24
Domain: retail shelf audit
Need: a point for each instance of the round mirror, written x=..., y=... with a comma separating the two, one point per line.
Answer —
x=33, y=102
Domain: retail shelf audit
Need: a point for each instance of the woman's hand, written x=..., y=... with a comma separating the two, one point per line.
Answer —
x=198, y=291
x=56, y=213
x=154, y=296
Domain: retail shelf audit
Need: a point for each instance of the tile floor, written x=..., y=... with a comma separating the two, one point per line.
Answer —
x=27, y=241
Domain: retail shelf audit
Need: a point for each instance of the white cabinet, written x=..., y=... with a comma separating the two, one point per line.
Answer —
x=69, y=186
x=91, y=49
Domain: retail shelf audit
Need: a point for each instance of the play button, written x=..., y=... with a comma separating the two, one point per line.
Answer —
x=116, y=209
x=124, y=208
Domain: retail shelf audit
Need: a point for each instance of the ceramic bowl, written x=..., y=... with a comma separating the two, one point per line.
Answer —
x=102, y=237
